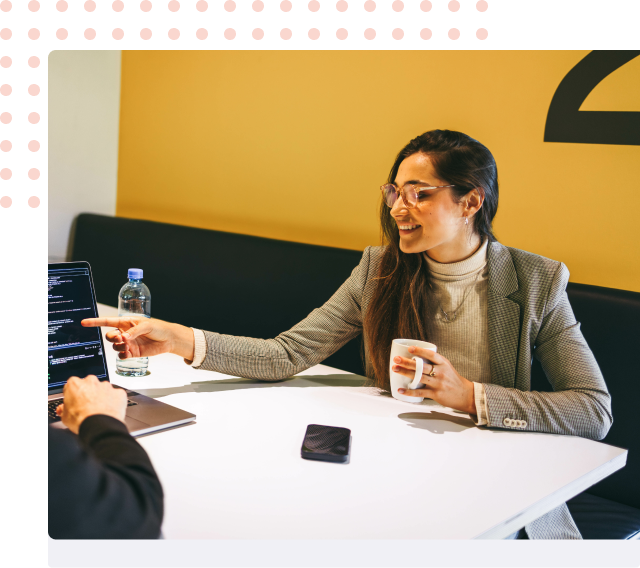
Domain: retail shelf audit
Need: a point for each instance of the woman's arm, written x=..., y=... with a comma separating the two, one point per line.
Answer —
x=315, y=338
x=580, y=404
x=308, y=343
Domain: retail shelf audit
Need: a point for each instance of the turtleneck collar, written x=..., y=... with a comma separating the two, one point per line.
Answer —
x=463, y=268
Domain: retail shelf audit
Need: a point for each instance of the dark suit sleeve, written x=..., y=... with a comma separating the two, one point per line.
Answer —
x=102, y=484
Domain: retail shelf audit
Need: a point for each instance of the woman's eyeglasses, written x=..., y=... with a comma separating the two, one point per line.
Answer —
x=409, y=193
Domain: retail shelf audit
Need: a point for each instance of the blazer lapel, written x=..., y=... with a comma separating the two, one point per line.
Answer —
x=503, y=316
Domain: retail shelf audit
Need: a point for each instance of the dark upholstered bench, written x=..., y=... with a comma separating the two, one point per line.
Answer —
x=223, y=282
x=256, y=287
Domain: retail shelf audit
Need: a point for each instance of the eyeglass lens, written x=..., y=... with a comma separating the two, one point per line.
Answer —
x=391, y=195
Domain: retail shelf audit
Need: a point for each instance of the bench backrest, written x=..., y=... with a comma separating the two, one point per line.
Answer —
x=218, y=281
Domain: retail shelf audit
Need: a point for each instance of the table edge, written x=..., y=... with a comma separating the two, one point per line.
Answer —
x=555, y=499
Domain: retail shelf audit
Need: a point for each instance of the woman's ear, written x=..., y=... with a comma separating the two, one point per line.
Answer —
x=474, y=200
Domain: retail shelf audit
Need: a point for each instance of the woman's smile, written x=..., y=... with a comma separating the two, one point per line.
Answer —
x=407, y=228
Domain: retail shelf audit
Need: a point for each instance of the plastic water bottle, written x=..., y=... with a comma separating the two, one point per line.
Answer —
x=134, y=300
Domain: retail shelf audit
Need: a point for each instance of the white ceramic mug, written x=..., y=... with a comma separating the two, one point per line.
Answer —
x=400, y=347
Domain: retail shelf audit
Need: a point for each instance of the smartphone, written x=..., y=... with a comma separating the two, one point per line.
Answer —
x=326, y=443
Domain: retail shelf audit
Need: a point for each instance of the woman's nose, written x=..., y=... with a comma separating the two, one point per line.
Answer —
x=398, y=208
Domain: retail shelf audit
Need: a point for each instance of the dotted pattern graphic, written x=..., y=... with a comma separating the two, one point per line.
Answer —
x=30, y=30
x=21, y=106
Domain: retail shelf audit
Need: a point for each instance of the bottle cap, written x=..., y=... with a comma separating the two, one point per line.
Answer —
x=135, y=273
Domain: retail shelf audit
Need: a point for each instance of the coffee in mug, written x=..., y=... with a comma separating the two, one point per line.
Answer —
x=400, y=347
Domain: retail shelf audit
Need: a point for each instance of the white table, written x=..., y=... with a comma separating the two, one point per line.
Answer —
x=417, y=470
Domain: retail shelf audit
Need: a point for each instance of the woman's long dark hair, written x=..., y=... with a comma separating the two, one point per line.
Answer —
x=400, y=307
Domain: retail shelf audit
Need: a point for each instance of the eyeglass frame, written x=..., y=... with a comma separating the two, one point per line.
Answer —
x=400, y=190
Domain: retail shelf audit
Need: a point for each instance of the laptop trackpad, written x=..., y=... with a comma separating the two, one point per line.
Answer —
x=133, y=424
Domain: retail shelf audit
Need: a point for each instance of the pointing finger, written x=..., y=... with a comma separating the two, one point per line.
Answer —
x=122, y=323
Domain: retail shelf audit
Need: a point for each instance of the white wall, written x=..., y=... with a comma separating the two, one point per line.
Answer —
x=84, y=112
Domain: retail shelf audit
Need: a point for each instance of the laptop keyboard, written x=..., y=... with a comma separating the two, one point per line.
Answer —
x=53, y=404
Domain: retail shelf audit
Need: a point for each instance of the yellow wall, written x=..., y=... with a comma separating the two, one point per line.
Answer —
x=294, y=145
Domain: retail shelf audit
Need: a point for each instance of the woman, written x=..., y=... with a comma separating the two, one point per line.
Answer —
x=441, y=277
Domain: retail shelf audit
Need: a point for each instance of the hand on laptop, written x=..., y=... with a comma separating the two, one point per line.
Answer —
x=145, y=337
x=88, y=396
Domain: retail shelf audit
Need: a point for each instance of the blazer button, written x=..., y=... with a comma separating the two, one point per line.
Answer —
x=524, y=423
x=507, y=421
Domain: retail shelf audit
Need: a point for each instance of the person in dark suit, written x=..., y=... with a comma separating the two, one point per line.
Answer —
x=101, y=481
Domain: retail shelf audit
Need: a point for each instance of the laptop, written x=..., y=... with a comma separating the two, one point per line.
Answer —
x=79, y=351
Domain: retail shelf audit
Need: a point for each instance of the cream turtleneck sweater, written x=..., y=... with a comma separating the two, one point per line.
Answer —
x=460, y=289
x=464, y=341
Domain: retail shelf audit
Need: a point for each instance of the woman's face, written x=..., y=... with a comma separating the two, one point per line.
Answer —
x=437, y=223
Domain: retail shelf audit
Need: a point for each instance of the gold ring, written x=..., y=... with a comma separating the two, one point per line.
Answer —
x=432, y=373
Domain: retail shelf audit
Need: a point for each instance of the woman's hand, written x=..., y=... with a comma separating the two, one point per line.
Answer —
x=145, y=337
x=446, y=386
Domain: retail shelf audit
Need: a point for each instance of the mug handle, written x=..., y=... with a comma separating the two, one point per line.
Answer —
x=418, y=376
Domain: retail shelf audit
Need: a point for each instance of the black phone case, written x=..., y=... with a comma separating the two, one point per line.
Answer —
x=326, y=443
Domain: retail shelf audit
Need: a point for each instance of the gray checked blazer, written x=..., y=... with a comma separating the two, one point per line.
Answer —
x=529, y=315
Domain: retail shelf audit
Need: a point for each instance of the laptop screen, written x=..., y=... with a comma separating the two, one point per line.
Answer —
x=73, y=349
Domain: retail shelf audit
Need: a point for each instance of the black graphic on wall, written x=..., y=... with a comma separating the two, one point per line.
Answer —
x=566, y=123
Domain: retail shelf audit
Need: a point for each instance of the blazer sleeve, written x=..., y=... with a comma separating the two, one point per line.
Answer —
x=308, y=343
x=102, y=484
x=580, y=404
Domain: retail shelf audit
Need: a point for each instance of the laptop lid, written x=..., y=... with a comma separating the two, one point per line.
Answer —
x=73, y=350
